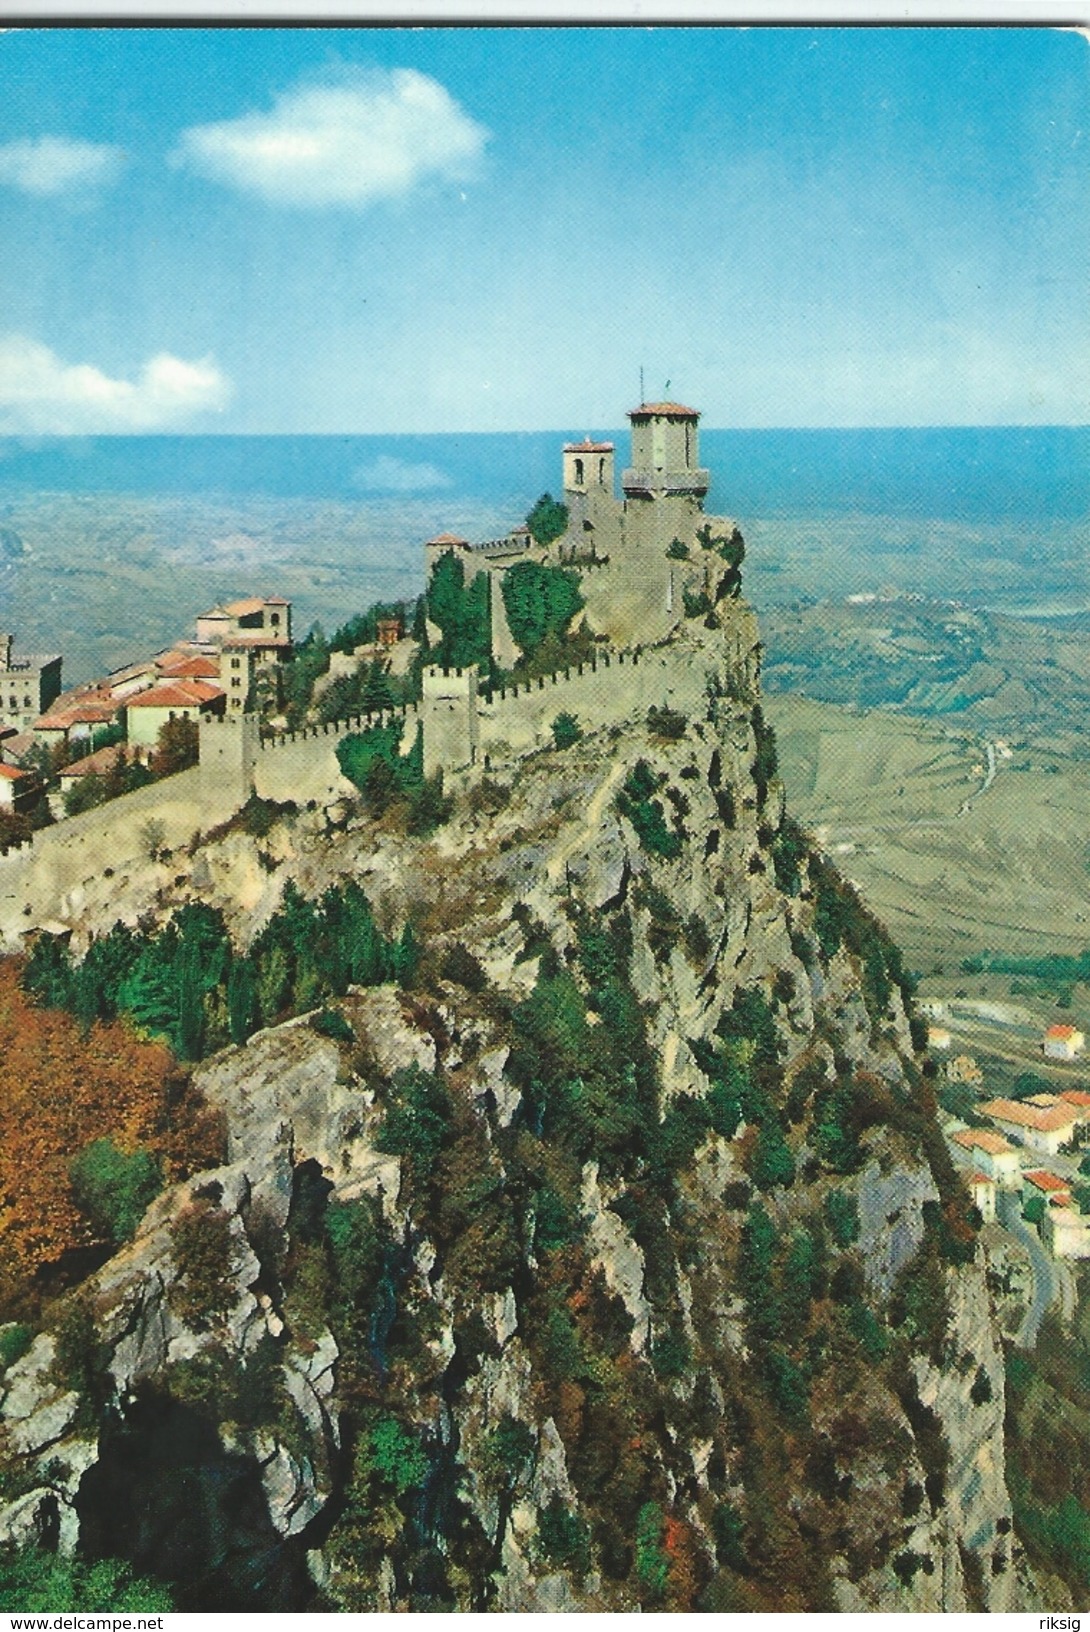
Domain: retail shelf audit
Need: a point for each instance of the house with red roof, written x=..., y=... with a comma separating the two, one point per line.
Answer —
x=990, y=1154
x=18, y=790
x=150, y=710
x=1040, y=1127
x=1063, y=1043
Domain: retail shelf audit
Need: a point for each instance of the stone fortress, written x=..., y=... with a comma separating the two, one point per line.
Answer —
x=638, y=555
x=648, y=563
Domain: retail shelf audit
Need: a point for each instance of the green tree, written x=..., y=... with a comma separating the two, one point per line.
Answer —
x=204, y=1257
x=652, y=1559
x=177, y=747
x=114, y=1188
x=37, y=1582
x=564, y=1537
x=758, y=1250
x=242, y=1006
x=539, y=601
x=463, y=613
x=548, y=520
x=842, y=1216
x=418, y=1115
x=566, y=731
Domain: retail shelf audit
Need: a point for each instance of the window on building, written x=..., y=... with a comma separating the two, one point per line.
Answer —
x=235, y=662
x=601, y=470
x=274, y=619
x=579, y=472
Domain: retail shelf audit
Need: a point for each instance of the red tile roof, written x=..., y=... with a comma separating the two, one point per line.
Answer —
x=450, y=538
x=674, y=410
x=96, y=764
x=1030, y=1116
x=587, y=446
x=92, y=711
x=188, y=666
x=983, y=1139
x=1050, y=1183
x=11, y=773
x=1063, y=1033
x=1077, y=1096
x=177, y=694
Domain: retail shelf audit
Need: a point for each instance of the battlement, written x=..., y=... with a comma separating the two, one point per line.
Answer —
x=443, y=682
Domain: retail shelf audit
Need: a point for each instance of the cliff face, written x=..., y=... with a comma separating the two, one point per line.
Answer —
x=618, y=1263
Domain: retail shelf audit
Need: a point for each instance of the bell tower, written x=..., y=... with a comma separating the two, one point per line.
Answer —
x=588, y=465
x=588, y=493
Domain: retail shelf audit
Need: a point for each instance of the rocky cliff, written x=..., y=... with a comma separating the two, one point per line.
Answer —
x=617, y=1263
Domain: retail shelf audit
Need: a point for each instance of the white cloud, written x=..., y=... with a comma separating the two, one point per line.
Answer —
x=372, y=138
x=40, y=393
x=389, y=475
x=56, y=164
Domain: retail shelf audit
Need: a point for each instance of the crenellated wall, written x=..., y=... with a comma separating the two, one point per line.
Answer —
x=464, y=728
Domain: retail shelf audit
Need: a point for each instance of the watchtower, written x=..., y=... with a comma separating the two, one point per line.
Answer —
x=448, y=714
x=228, y=754
x=665, y=453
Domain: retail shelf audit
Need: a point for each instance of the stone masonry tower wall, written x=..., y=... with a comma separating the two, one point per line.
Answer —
x=448, y=713
x=228, y=755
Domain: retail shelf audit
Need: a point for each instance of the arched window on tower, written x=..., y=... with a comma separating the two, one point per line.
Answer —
x=601, y=470
x=688, y=445
x=579, y=472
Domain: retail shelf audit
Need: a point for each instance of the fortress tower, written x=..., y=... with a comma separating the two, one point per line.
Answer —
x=593, y=511
x=664, y=486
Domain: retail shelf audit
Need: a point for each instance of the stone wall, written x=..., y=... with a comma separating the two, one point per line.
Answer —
x=51, y=878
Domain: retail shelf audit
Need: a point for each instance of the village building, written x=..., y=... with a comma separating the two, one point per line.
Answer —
x=938, y=1037
x=149, y=711
x=1080, y=1099
x=260, y=625
x=28, y=685
x=996, y=1158
x=77, y=716
x=182, y=663
x=983, y=1191
x=1039, y=1127
x=18, y=790
x=134, y=677
x=1066, y=1233
x=1055, y=1191
x=99, y=763
x=1063, y=1043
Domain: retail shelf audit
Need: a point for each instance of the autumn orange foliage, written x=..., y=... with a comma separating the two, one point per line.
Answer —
x=58, y=1091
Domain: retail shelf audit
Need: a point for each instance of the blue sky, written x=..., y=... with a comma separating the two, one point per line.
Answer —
x=307, y=230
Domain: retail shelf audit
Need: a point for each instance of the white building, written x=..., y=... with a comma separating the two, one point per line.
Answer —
x=1063, y=1043
x=991, y=1153
x=983, y=1191
x=1066, y=1233
x=1043, y=1127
